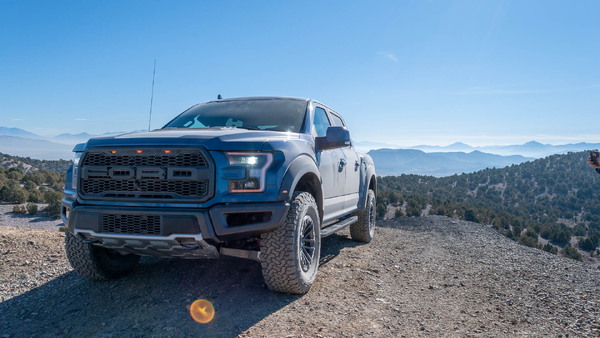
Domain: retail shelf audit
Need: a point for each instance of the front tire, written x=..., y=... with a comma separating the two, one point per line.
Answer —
x=290, y=254
x=97, y=263
x=364, y=229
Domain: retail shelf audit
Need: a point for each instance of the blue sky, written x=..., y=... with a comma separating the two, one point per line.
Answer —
x=401, y=72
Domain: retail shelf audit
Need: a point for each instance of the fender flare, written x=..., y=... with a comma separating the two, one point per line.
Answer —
x=368, y=176
x=299, y=168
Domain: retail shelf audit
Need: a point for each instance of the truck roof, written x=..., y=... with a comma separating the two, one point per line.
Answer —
x=249, y=98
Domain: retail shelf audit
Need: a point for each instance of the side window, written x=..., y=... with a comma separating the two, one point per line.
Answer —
x=337, y=121
x=321, y=122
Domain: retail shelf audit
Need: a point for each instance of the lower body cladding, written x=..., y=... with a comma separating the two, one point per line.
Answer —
x=173, y=232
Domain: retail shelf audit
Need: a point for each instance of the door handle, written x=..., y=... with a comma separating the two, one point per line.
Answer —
x=342, y=164
x=356, y=165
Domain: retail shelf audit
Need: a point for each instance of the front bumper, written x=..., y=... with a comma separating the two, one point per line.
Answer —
x=174, y=232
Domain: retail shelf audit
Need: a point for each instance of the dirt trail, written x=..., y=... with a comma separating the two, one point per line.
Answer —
x=419, y=277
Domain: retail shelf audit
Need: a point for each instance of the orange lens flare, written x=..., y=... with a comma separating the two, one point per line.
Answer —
x=202, y=311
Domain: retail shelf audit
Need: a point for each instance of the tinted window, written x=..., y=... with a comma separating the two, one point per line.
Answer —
x=321, y=122
x=272, y=114
x=337, y=121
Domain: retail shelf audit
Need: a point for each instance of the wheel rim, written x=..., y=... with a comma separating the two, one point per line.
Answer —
x=307, y=243
x=371, y=216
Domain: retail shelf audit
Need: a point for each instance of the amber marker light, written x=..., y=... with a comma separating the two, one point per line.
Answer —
x=138, y=151
x=167, y=151
x=202, y=311
x=113, y=151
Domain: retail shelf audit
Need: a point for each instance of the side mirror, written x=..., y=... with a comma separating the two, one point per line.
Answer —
x=337, y=137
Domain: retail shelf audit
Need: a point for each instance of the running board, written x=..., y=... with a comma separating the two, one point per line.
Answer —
x=338, y=226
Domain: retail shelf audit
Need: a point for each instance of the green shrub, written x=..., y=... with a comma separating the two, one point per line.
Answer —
x=571, y=252
x=398, y=213
x=528, y=241
x=32, y=208
x=19, y=209
x=550, y=248
x=53, y=208
x=588, y=244
x=13, y=193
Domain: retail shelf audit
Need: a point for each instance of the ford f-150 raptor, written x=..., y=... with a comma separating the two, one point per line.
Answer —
x=262, y=178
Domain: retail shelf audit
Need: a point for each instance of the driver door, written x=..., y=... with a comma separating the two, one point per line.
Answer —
x=331, y=166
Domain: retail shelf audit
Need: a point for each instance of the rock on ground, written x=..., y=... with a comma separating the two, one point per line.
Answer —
x=419, y=277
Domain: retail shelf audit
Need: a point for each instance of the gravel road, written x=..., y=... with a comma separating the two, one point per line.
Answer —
x=419, y=277
x=39, y=221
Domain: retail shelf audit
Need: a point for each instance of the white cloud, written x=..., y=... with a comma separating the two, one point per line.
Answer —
x=81, y=119
x=389, y=56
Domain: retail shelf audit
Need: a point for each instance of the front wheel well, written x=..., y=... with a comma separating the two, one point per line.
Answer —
x=310, y=183
x=373, y=184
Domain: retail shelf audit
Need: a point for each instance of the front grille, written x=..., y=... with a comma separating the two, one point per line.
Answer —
x=131, y=224
x=146, y=174
x=178, y=160
x=180, y=188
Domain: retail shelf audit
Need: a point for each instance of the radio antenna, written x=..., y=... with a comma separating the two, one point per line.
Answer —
x=152, y=95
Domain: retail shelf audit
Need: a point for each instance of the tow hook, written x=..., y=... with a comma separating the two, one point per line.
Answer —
x=89, y=241
x=189, y=245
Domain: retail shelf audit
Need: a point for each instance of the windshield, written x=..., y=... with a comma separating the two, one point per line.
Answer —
x=269, y=114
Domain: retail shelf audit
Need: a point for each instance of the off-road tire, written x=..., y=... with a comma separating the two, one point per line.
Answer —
x=364, y=229
x=95, y=262
x=283, y=249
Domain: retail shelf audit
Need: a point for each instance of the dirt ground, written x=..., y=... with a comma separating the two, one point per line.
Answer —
x=419, y=277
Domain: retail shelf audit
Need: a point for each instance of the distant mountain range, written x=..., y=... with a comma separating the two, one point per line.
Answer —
x=393, y=162
x=73, y=138
x=530, y=149
x=423, y=160
x=35, y=148
x=5, y=131
x=19, y=142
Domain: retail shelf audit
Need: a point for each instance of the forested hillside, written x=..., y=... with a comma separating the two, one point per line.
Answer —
x=28, y=164
x=439, y=164
x=24, y=180
x=551, y=203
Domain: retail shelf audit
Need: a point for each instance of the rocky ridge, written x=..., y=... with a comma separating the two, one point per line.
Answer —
x=419, y=277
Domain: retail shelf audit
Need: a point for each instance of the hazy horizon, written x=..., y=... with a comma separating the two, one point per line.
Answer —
x=502, y=141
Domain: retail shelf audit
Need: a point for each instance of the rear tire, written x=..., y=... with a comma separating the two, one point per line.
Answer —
x=97, y=263
x=364, y=229
x=290, y=254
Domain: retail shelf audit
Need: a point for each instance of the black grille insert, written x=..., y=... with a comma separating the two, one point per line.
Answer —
x=131, y=224
x=192, y=159
x=146, y=174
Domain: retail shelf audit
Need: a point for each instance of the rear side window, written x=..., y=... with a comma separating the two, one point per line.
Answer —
x=337, y=121
x=321, y=122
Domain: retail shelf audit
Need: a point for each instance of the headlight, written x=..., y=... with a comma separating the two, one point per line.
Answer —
x=75, y=176
x=256, y=165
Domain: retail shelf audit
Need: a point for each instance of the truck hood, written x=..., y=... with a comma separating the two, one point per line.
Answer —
x=210, y=138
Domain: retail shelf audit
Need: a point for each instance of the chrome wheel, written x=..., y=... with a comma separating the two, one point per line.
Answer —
x=364, y=229
x=371, y=216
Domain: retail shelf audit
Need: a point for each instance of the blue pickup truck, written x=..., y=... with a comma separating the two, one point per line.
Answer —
x=261, y=178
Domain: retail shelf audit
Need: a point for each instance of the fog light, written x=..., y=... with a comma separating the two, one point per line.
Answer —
x=246, y=218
